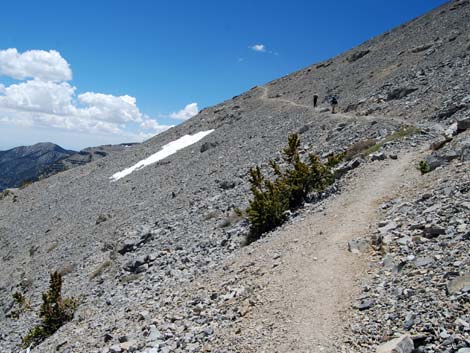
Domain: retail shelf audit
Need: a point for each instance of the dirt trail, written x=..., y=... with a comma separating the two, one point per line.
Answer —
x=307, y=297
x=265, y=97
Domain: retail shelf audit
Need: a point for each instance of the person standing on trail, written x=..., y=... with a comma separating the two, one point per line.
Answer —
x=315, y=100
x=334, y=104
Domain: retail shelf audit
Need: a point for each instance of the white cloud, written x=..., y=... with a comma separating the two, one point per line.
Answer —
x=261, y=48
x=188, y=112
x=38, y=64
x=153, y=125
x=106, y=107
x=43, y=99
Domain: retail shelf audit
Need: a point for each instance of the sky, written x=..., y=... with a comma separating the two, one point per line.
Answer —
x=86, y=73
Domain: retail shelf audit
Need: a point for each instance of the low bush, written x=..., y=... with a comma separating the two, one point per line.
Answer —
x=366, y=147
x=55, y=311
x=22, y=304
x=424, y=167
x=5, y=193
x=272, y=199
x=101, y=269
x=359, y=148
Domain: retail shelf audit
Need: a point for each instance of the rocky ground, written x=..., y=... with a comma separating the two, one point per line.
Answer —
x=156, y=258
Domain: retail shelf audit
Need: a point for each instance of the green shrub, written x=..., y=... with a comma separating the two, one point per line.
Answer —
x=359, y=148
x=424, y=167
x=25, y=183
x=101, y=268
x=5, y=193
x=271, y=199
x=366, y=147
x=22, y=304
x=55, y=311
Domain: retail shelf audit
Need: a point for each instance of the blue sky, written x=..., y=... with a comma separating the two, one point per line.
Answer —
x=168, y=54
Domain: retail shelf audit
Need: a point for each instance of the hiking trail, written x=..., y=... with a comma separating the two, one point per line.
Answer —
x=306, y=299
x=265, y=97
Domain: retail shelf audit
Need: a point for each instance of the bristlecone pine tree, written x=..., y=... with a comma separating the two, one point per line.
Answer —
x=54, y=312
x=271, y=199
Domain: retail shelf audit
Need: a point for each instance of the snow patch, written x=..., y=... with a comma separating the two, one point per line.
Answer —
x=167, y=150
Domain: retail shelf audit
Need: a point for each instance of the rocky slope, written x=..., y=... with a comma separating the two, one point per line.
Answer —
x=26, y=163
x=147, y=253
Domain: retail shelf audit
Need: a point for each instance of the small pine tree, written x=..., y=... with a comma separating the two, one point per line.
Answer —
x=54, y=312
x=271, y=199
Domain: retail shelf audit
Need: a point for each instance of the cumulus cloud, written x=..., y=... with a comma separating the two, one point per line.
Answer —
x=37, y=64
x=45, y=99
x=261, y=48
x=186, y=113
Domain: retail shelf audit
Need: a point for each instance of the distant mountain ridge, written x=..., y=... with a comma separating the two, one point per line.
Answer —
x=26, y=163
x=42, y=160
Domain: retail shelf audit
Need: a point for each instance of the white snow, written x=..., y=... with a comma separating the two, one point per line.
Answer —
x=167, y=150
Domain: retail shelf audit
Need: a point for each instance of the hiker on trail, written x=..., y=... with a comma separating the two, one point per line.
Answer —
x=334, y=104
x=315, y=100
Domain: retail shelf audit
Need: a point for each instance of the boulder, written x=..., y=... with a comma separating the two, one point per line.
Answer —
x=357, y=55
x=451, y=131
x=438, y=143
x=378, y=156
x=460, y=283
x=402, y=344
x=399, y=93
x=463, y=125
x=433, y=231
x=357, y=246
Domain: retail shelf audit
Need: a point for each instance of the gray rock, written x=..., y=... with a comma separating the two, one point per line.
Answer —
x=378, y=156
x=424, y=261
x=358, y=246
x=458, y=284
x=365, y=304
x=463, y=125
x=433, y=231
x=402, y=344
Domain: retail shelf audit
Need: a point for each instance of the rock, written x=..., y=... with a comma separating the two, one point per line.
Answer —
x=421, y=48
x=127, y=246
x=115, y=349
x=458, y=284
x=438, y=143
x=345, y=167
x=356, y=162
x=227, y=185
x=399, y=93
x=102, y=218
x=424, y=261
x=463, y=125
x=464, y=350
x=358, y=246
x=433, y=231
x=434, y=161
x=403, y=344
x=357, y=55
x=451, y=131
x=154, y=334
x=393, y=156
x=365, y=304
x=207, y=146
x=378, y=156
x=389, y=226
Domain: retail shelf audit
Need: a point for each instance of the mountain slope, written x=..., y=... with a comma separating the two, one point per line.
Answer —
x=139, y=249
x=26, y=163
